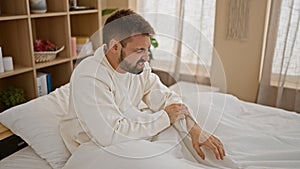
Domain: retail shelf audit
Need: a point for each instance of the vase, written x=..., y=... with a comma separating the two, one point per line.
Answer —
x=38, y=6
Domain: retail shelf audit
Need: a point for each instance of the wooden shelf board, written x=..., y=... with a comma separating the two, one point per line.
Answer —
x=3, y=128
x=83, y=12
x=48, y=14
x=14, y=17
x=17, y=70
x=51, y=63
x=5, y=134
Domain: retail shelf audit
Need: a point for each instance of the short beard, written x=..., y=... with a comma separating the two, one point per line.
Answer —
x=128, y=67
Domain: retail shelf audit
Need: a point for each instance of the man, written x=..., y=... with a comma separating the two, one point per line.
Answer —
x=107, y=89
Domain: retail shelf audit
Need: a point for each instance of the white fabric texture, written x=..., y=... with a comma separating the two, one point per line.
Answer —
x=104, y=104
x=37, y=122
x=24, y=159
x=254, y=136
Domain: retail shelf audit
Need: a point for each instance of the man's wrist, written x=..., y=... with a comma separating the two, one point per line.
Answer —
x=195, y=129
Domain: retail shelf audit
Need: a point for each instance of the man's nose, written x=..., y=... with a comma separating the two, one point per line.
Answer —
x=145, y=56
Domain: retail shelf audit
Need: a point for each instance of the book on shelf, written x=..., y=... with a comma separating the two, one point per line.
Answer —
x=44, y=83
x=49, y=83
x=1, y=61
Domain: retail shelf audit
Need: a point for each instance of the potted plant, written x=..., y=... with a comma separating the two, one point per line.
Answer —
x=154, y=43
x=108, y=11
x=11, y=97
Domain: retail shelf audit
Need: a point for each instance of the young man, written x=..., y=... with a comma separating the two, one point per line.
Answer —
x=107, y=89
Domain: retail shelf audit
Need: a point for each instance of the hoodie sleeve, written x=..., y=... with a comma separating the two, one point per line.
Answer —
x=100, y=117
x=158, y=96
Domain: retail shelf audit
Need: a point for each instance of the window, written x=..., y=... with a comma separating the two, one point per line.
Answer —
x=286, y=61
x=195, y=39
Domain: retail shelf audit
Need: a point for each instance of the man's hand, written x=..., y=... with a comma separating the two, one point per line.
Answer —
x=202, y=138
x=176, y=112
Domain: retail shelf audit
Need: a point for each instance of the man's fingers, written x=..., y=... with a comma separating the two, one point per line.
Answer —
x=199, y=151
x=181, y=116
x=219, y=144
x=220, y=149
x=213, y=148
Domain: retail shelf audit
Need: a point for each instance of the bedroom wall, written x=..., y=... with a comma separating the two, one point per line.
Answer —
x=242, y=59
x=113, y=3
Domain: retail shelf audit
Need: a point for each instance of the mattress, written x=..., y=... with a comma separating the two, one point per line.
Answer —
x=24, y=159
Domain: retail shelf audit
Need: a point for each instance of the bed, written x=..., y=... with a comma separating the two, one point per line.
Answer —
x=254, y=136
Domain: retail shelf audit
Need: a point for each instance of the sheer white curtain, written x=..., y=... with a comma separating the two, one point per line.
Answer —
x=185, y=33
x=281, y=70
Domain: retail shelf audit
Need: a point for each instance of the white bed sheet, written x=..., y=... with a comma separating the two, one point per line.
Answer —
x=254, y=136
x=24, y=159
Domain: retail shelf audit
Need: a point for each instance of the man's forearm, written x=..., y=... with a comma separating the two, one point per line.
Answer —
x=196, y=131
x=191, y=125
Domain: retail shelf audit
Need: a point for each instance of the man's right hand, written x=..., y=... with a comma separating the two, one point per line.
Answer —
x=176, y=112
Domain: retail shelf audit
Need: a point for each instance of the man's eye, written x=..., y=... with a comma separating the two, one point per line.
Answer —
x=140, y=51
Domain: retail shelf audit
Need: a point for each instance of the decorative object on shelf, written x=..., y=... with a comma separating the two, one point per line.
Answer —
x=44, y=45
x=45, y=50
x=73, y=45
x=38, y=6
x=45, y=56
x=8, y=63
x=11, y=97
x=238, y=19
x=1, y=61
x=74, y=6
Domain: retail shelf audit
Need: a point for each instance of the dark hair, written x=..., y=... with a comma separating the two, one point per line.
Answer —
x=123, y=24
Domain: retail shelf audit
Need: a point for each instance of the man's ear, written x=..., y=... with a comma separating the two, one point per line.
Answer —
x=114, y=45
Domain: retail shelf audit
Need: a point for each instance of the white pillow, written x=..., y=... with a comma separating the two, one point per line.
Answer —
x=37, y=122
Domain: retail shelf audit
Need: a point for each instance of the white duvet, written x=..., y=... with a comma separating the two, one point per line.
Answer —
x=253, y=136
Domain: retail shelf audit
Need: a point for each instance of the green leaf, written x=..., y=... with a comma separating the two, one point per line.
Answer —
x=108, y=11
x=154, y=42
x=12, y=96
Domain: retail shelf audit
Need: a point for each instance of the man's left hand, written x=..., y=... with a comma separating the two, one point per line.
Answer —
x=202, y=138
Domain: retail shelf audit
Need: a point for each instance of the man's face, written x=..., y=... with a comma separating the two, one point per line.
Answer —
x=134, y=54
